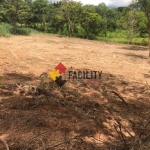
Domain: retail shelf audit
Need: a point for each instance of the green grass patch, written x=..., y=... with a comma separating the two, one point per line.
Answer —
x=121, y=36
x=6, y=30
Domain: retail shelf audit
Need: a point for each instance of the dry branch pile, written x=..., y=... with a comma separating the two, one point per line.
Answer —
x=37, y=114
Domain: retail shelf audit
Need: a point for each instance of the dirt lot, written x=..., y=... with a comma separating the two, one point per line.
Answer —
x=112, y=115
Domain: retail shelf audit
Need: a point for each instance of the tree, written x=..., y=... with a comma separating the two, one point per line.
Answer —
x=113, y=15
x=39, y=10
x=71, y=12
x=91, y=23
x=109, y=18
x=58, y=22
x=145, y=6
x=102, y=9
x=90, y=8
x=23, y=13
x=16, y=10
x=2, y=11
x=66, y=18
x=133, y=21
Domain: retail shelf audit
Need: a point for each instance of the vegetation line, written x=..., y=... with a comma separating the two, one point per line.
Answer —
x=70, y=18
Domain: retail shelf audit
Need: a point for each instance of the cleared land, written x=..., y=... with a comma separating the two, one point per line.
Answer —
x=79, y=115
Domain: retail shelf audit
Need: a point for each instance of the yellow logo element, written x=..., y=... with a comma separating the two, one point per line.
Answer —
x=53, y=74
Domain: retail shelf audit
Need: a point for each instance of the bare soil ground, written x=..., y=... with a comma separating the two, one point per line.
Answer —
x=112, y=115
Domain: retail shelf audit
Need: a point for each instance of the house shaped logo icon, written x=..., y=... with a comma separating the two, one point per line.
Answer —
x=56, y=74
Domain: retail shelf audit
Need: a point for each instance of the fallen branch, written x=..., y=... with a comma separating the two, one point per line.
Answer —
x=36, y=137
x=118, y=122
x=138, y=139
x=66, y=141
x=123, y=100
x=121, y=135
x=35, y=140
x=147, y=123
x=6, y=145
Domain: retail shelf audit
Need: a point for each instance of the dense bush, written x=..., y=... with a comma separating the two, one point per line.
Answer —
x=5, y=29
x=80, y=32
x=23, y=31
x=144, y=42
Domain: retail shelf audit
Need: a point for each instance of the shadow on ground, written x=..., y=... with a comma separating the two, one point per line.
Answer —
x=135, y=48
x=135, y=56
x=111, y=115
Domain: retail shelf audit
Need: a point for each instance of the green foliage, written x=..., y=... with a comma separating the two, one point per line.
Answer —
x=144, y=35
x=71, y=18
x=144, y=41
x=5, y=29
x=70, y=13
x=23, y=31
x=80, y=31
x=90, y=22
x=39, y=10
x=133, y=21
x=23, y=13
x=120, y=36
x=144, y=5
x=14, y=12
x=64, y=31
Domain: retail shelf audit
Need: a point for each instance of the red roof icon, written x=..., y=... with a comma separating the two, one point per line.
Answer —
x=61, y=68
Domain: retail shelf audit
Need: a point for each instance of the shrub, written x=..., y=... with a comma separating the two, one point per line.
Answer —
x=5, y=29
x=144, y=42
x=23, y=31
x=80, y=32
x=64, y=31
x=144, y=35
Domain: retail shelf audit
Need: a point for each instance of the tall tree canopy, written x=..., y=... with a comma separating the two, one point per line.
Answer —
x=145, y=6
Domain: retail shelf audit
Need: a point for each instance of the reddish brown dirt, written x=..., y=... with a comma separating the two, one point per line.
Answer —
x=78, y=115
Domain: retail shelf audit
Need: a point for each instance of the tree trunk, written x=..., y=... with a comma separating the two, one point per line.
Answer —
x=105, y=34
x=130, y=38
x=131, y=35
x=69, y=30
x=14, y=27
x=149, y=37
x=44, y=23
